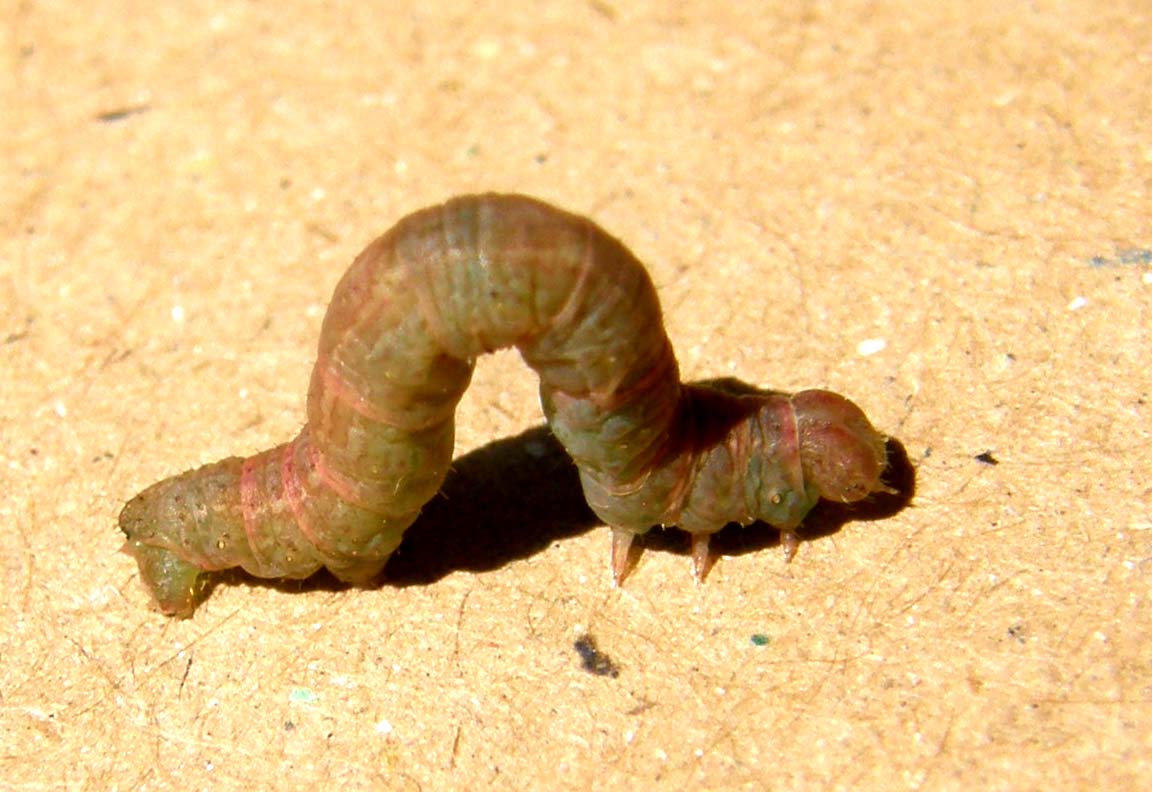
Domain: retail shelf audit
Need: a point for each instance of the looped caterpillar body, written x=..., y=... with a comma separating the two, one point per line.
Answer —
x=396, y=352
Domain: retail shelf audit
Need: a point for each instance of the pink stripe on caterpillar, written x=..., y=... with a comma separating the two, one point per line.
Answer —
x=678, y=495
x=345, y=488
x=250, y=500
x=425, y=301
x=616, y=398
x=790, y=443
x=294, y=493
x=576, y=295
x=336, y=385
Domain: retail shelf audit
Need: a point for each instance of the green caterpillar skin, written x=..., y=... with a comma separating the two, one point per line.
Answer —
x=396, y=353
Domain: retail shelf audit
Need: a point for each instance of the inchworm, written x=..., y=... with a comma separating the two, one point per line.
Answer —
x=396, y=353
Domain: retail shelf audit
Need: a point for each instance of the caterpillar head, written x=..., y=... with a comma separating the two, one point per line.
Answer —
x=843, y=456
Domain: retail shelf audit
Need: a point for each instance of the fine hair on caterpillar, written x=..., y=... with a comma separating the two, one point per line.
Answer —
x=396, y=352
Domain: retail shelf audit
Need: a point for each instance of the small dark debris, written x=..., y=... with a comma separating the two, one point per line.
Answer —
x=1018, y=632
x=1135, y=256
x=760, y=639
x=987, y=459
x=592, y=659
x=120, y=113
x=641, y=708
x=289, y=726
x=183, y=679
x=1123, y=258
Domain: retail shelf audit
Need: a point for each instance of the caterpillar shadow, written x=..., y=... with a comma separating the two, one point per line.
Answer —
x=502, y=502
x=516, y=496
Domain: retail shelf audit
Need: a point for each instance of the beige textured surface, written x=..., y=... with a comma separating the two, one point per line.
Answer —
x=184, y=183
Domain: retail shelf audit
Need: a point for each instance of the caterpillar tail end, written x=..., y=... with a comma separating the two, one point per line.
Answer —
x=176, y=586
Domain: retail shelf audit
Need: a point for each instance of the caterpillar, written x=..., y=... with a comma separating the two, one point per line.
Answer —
x=396, y=353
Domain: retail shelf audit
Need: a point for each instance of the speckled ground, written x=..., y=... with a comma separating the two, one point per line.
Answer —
x=941, y=212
